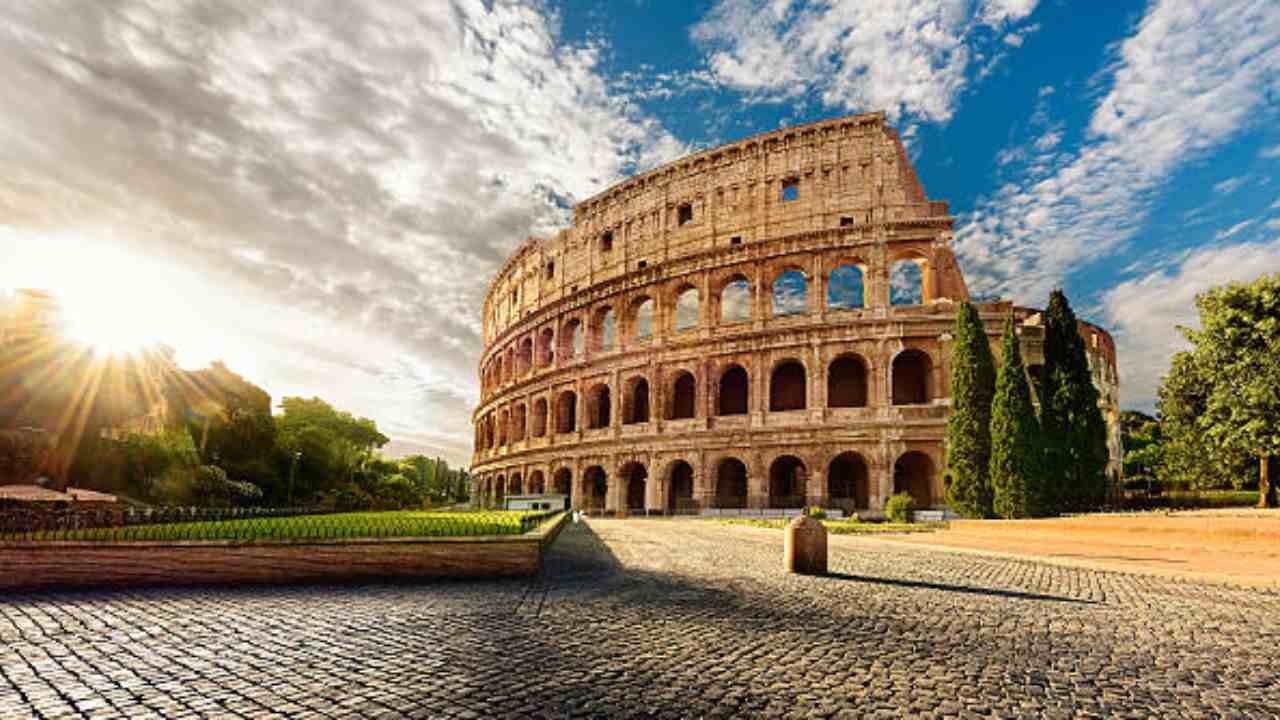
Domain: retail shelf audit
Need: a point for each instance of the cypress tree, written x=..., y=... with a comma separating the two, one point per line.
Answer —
x=973, y=380
x=1015, y=436
x=1074, y=431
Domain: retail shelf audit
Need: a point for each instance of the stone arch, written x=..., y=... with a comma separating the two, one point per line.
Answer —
x=634, y=477
x=640, y=319
x=571, y=339
x=504, y=424
x=849, y=482
x=500, y=491
x=788, y=386
x=515, y=485
x=635, y=401
x=509, y=373
x=680, y=488
x=790, y=295
x=912, y=375
x=735, y=388
x=567, y=412
x=519, y=416
x=599, y=406
x=847, y=381
x=788, y=481
x=595, y=488
x=546, y=347
x=537, y=483
x=524, y=357
x=731, y=483
x=735, y=299
x=687, y=305
x=684, y=396
x=846, y=287
x=913, y=474
x=604, y=329
x=562, y=481
x=539, y=417
x=907, y=284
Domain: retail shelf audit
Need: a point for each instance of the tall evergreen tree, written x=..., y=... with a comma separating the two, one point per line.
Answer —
x=973, y=381
x=1015, y=437
x=1075, y=432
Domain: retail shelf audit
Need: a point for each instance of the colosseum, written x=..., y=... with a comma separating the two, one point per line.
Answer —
x=765, y=324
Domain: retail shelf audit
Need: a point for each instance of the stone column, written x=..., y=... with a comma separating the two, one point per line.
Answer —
x=816, y=487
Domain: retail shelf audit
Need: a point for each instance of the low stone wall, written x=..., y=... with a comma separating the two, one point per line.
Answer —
x=47, y=565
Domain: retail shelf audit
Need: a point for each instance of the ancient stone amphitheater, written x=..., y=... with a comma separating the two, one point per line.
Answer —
x=765, y=324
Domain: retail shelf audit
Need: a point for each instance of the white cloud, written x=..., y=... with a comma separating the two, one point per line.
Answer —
x=1271, y=153
x=907, y=57
x=1191, y=76
x=1230, y=185
x=1233, y=230
x=1273, y=224
x=1144, y=313
x=350, y=170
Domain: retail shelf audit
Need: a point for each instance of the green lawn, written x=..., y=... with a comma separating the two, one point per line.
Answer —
x=841, y=527
x=406, y=523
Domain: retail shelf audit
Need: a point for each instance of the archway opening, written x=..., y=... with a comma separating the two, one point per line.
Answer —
x=562, y=481
x=731, y=484
x=733, y=391
x=787, y=482
x=635, y=476
x=595, y=486
x=790, y=294
x=687, y=309
x=537, y=483
x=598, y=409
x=500, y=491
x=847, y=382
x=571, y=339
x=517, y=485
x=539, y=417
x=787, y=387
x=735, y=301
x=605, y=331
x=848, y=482
x=683, y=397
x=913, y=474
x=638, y=402
x=845, y=288
x=525, y=358
x=911, y=371
x=680, y=489
x=906, y=282
x=546, y=347
x=518, y=423
x=567, y=412
x=642, y=319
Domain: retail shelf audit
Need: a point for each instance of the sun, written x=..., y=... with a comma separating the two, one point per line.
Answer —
x=110, y=325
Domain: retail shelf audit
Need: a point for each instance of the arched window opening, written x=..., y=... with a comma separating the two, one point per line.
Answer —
x=787, y=482
x=845, y=289
x=636, y=478
x=735, y=301
x=680, y=489
x=731, y=484
x=847, y=382
x=509, y=366
x=571, y=339
x=913, y=474
x=563, y=480
x=733, y=391
x=539, y=417
x=546, y=347
x=598, y=407
x=684, y=397
x=595, y=487
x=517, y=486
x=536, y=483
x=525, y=357
x=642, y=319
x=848, y=482
x=790, y=294
x=518, y=423
x=911, y=371
x=787, y=387
x=637, y=410
x=687, y=309
x=606, y=330
x=500, y=491
x=567, y=412
x=504, y=423
x=906, y=283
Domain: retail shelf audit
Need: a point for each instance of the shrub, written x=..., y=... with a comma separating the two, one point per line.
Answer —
x=817, y=513
x=899, y=507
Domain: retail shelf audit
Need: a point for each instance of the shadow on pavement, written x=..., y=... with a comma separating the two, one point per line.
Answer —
x=1015, y=594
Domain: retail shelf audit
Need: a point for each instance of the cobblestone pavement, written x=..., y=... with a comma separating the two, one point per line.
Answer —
x=660, y=618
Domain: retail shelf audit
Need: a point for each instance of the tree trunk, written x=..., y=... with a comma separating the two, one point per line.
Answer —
x=1266, y=489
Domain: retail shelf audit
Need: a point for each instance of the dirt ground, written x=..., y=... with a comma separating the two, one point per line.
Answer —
x=1237, y=546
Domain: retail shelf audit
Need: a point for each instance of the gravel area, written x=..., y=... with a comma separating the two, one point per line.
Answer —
x=665, y=618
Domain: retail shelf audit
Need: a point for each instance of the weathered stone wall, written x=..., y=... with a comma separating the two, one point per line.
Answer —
x=605, y=378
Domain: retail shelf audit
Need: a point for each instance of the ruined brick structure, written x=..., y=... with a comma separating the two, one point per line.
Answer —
x=721, y=332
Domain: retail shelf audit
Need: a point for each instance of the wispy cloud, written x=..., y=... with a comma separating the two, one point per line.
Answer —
x=907, y=57
x=1230, y=185
x=356, y=165
x=1233, y=230
x=1188, y=79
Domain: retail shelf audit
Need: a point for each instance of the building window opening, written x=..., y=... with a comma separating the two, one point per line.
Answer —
x=684, y=214
x=845, y=288
x=683, y=398
x=733, y=391
x=787, y=387
x=606, y=241
x=790, y=190
x=911, y=371
x=847, y=383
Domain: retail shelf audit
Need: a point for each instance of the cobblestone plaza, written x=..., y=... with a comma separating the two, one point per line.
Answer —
x=666, y=618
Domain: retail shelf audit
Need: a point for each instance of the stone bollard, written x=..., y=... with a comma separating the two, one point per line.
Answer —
x=805, y=547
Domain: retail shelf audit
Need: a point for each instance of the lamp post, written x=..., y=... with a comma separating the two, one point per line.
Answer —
x=293, y=469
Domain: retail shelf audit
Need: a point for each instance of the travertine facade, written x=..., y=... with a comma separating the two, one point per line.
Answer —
x=721, y=331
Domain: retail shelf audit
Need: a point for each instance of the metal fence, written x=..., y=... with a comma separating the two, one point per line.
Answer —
x=189, y=523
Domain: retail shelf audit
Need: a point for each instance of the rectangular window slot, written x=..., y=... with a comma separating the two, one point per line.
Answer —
x=551, y=269
x=790, y=190
x=846, y=221
x=644, y=264
x=606, y=241
x=684, y=214
x=735, y=240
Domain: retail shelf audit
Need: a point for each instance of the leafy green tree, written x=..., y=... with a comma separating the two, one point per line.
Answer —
x=321, y=447
x=1189, y=457
x=1016, y=451
x=1075, y=433
x=1143, y=444
x=973, y=380
x=1230, y=380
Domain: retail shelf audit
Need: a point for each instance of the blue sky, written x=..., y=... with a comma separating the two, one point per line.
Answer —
x=317, y=193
